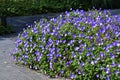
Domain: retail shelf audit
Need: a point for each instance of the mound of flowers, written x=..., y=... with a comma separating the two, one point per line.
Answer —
x=76, y=45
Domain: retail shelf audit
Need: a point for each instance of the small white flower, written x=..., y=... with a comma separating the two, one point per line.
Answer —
x=92, y=62
x=80, y=57
x=107, y=65
x=118, y=44
x=65, y=34
x=101, y=24
x=119, y=65
x=98, y=44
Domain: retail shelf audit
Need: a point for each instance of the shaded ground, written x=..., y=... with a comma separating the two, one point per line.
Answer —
x=8, y=69
x=115, y=12
x=21, y=22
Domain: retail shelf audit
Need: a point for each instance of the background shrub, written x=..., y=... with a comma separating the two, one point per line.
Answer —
x=23, y=7
x=7, y=30
x=32, y=7
x=78, y=45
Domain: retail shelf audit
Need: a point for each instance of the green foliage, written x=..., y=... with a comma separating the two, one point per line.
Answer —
x=78, y=45
x=6, y=30
x=30, y=7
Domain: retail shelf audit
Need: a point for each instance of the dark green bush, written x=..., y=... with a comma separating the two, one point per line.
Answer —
x=30, y=7
x=6, y=30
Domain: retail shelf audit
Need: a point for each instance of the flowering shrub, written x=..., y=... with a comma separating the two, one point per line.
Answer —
x=77, y=45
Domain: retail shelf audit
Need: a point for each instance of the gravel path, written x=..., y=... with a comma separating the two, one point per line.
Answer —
x=8, y=69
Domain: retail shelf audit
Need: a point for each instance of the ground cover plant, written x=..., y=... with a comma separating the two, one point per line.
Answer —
x=77, y=45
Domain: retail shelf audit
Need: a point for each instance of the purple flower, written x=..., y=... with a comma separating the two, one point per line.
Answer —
x=57, y=49
x=83, y=73
x=90, y=37
x=59, y=36
x=18, y=42
x=82, y=64
x=34, y=30
x=71, y=9
x=116, y=72
x=102, y=55
x=93, y=57
x=25, y=34
x=48, y=30
x=72, y=76
x=94, y=24
x=108, y=19
x=25, y=56
x=109, y=46
x=51, y=67
x=69, y=43
x=81, y=35
x=76, y=48
x=50, y=40
x=101, y=68
x=61, y=71
x=77, y=27
x=107, y=70
x=97, y=75
x=102, y=31
x=68, y=62
x=26, y=44
x=66, y=49
x=57, y=42
x=82, y=28
x=118, y=65
x=113, y=64
x=50, y=58
x=107, y=78
x=118, y=44
x=31, y=38
x=64, y=41
x=88, y=53
x=112, y=56
x=40, y=46
x=73, y=55
x=79, y=41
x=55, y=33
x=58, y=55
x=74, y=36
x=39, y=57
x=69, y=33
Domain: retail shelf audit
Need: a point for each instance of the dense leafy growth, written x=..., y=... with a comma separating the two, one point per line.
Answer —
x=25, y=7
x=78, y=45
x=6, y=30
